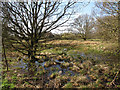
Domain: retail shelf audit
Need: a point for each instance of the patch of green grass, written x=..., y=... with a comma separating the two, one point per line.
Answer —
x=14, y=79
x=6, y=84
x=94, y=39
x=52, y=51
x=68, y=85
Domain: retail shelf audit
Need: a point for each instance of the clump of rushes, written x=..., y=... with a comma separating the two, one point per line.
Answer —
x=53, y=75
x=66, y=64
x=68, y=85
x=41, y=72
x=49, y=63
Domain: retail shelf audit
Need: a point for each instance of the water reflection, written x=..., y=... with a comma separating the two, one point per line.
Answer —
x=57, y=68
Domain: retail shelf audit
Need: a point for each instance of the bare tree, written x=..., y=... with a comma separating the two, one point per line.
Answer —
x=28, y=20
x=107, y=27
x=83, y=23
x=112, y=24
x=108, y=8
x=107, y=21
x=4, y=40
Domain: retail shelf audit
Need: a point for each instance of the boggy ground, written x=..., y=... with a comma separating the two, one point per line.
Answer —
x=65, y=64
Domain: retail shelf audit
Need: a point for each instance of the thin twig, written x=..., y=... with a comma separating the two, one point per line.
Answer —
x=113, y=81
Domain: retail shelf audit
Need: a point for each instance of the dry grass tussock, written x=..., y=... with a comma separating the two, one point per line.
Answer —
x=72, y=42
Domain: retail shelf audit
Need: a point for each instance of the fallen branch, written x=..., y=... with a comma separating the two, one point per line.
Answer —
x=113, y=81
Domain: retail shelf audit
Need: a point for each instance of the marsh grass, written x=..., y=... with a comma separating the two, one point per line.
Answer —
x=73, y=55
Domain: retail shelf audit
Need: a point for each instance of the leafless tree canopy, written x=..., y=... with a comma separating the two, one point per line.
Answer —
x=28, y=20
x=110, y=8
x=108, y=24
x=83, y=23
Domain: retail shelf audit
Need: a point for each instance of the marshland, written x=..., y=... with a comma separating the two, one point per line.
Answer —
x=34, y=55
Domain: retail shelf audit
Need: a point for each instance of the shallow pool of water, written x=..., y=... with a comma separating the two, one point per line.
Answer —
x=57, y=67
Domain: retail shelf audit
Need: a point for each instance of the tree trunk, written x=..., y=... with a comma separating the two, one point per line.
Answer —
x=4, y=53
x=31, y=56
x=119, y=28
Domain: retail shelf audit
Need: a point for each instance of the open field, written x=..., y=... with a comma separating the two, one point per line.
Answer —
x=96, y=47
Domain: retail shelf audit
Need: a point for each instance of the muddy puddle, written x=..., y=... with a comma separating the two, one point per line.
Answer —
x=61, y=67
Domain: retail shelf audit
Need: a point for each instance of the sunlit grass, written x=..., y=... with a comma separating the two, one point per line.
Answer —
x=96, y=46
x=71, y=55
